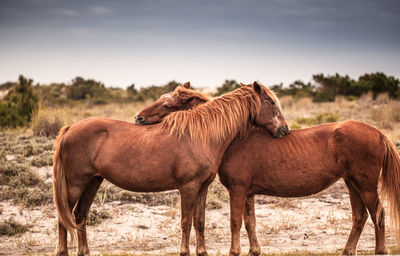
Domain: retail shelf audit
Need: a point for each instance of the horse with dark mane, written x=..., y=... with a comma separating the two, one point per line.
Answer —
x=305, y=162
x=183, y=152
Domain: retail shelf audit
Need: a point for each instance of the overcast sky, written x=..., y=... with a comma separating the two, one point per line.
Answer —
x=154, y=41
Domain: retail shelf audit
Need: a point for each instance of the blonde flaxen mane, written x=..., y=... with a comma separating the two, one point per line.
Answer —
x=215, y=120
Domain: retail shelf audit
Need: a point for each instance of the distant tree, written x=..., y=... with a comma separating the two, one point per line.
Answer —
x=88, y=89
x=131, y=91
x=379, y=83
x=227, y=86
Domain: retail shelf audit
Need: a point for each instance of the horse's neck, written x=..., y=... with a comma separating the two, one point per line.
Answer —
x=218, y=148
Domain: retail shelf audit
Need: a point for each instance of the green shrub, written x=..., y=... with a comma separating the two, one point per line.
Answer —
x=9, y=116
x=17, y=107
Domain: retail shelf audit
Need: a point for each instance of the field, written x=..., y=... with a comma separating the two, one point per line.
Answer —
x=125, y=223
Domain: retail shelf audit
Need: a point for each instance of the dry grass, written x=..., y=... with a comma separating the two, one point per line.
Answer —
x=11, y=227
x=383, y=112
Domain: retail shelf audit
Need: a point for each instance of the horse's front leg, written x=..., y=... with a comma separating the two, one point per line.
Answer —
x=237, y=197
x=189, y=194
x=62, y=249
x=249, y=217
x=199, y=221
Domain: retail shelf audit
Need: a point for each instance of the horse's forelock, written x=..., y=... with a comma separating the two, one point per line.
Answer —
x=273, y=96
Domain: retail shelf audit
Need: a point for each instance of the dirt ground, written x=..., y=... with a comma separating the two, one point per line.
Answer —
x=318, y=223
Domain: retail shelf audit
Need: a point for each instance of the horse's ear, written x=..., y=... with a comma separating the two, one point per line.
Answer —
x=186, y=85
x=257, y=87
x=242, y=84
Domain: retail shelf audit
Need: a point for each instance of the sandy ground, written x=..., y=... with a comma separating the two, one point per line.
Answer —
x=318, y=223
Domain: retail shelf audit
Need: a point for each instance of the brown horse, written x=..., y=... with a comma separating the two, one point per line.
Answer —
x=179, y=153
x=305, y=162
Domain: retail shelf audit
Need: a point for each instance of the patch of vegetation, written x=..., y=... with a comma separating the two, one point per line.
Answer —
x=44, y=159
x=48, y=121
x=109, y=193
x=19, y=181
x=11, y=227
x=295, y=125
x=217, y=196
x=17, y=107
x=322, y=118
x=96, y=217
x=35, y=196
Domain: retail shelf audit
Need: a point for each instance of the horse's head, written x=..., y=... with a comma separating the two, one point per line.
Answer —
x=182, y=98
x=269, y=116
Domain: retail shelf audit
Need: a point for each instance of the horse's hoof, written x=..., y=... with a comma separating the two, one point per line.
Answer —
x=184, y=254
x=83, y=253
x=234, y=252
x=62, y=253
x=202, y=254
x=348, y=252
x=255, y=252
x=384, y=251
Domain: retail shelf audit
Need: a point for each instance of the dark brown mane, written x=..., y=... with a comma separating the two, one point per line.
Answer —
x=216, y=119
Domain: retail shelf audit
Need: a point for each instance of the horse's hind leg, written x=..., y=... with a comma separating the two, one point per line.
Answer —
x=249, y=217
x=81, y=212
x=373, y=204
x=359, y=217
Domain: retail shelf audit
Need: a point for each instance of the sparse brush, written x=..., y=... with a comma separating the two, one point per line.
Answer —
x=44, y=159
x=386, y=115
x=286, y=101
x=11, y=227
x=34, y=196
x=96, y=217
x=326, y=117
x=217, y=196
x=48, y=121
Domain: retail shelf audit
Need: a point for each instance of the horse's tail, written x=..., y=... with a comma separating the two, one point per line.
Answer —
x=390, y=189
x=60, y=188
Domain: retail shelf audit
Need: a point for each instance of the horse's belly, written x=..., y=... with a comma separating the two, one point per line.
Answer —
x=296, y=184
x=139, y=180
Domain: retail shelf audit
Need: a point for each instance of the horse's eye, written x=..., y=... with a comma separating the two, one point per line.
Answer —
x=166, y=106
x=272, y=102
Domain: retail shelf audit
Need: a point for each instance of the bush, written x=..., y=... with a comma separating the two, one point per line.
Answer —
x=229, y=85
x=10, y=227
x=48, y=121
x=34, y=196
x=95, y=217
x=17, y=108
x=9, y=116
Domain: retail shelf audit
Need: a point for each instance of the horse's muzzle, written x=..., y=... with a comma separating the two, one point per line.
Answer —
x=139, y=120
x=282, y=131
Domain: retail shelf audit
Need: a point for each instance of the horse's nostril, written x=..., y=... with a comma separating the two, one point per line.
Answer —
x=139, y=119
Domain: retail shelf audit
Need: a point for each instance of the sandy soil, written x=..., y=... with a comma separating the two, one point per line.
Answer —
x=318, y=223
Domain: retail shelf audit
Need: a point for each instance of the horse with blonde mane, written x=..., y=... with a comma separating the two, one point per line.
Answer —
x=303, y=163
x=179, y=153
